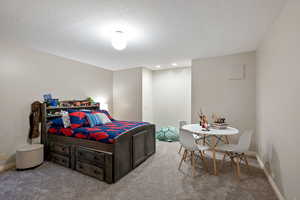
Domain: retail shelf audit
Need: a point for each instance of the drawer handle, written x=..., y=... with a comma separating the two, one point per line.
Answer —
x=96, y=172
x=63, y=148
x=63, y=161
x=96, y=158
x=80, y=166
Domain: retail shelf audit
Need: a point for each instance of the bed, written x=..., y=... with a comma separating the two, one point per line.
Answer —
x=107, y=152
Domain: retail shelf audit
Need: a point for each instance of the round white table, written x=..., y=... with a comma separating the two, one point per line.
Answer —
x=215, y=134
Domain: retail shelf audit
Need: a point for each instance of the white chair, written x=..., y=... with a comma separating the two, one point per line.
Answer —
x=188, y=142
x=236, y=152
x=181, y=124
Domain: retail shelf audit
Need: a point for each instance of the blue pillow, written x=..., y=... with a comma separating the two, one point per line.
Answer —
x=93, y=119
x=103, y=118
x=57, y=122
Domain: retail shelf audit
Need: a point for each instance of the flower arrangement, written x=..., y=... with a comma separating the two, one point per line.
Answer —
x=203, y=120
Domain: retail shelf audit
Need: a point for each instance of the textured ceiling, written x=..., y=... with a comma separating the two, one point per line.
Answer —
x=160, y=31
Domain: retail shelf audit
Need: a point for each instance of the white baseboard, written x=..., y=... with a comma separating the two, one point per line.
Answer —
x=270, y=179
x=7, y=166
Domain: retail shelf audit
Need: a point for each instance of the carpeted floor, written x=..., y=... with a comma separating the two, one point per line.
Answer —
x=156, y=179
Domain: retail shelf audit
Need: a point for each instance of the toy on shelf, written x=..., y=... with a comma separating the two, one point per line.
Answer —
x=50, y=101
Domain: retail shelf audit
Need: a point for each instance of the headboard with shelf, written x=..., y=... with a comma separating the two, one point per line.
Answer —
x=49, y=112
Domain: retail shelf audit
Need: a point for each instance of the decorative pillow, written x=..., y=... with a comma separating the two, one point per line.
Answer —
x=65, y=119
x=86, y=124
x=77, y=118
x=106, y=113
x=61, y=122
x=56, y=122
x=103, y=118
x=93, y=119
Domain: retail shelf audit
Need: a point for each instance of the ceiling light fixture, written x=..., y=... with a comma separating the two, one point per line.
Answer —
x=119, y=40
x=174, y=64
x=158, y=66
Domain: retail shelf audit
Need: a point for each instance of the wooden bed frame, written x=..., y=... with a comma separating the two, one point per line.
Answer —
x=107, y=162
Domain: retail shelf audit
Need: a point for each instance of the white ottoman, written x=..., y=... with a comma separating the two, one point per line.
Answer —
x=29, y=156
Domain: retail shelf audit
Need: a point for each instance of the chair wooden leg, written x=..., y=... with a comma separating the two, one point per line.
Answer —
x=227, y=139
x=180, y=149
x=186, y=155
x=214, y=143
x=182, y=159
x=232, y=160
x=193, y=162
x=247, y=164
x=224, y=159
x=202, y=154
x=238, y=170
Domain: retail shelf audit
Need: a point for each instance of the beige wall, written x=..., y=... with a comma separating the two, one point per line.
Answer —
x=128, y=94
x=25, y=75
x=171, y=96
x=278, y=100
x=213, y=91
x=147, y=96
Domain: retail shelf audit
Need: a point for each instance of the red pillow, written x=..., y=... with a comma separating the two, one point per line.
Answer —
x=77, y=119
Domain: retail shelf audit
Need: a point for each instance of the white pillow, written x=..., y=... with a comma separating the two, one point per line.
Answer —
x=66, y=119
x=103, y=118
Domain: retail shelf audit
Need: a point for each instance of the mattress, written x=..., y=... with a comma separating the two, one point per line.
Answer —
x=105, y=133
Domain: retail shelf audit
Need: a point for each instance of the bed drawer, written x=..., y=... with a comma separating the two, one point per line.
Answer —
x=94, y=157
x=59, y=159
x=60, y=148
x=90, y=170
